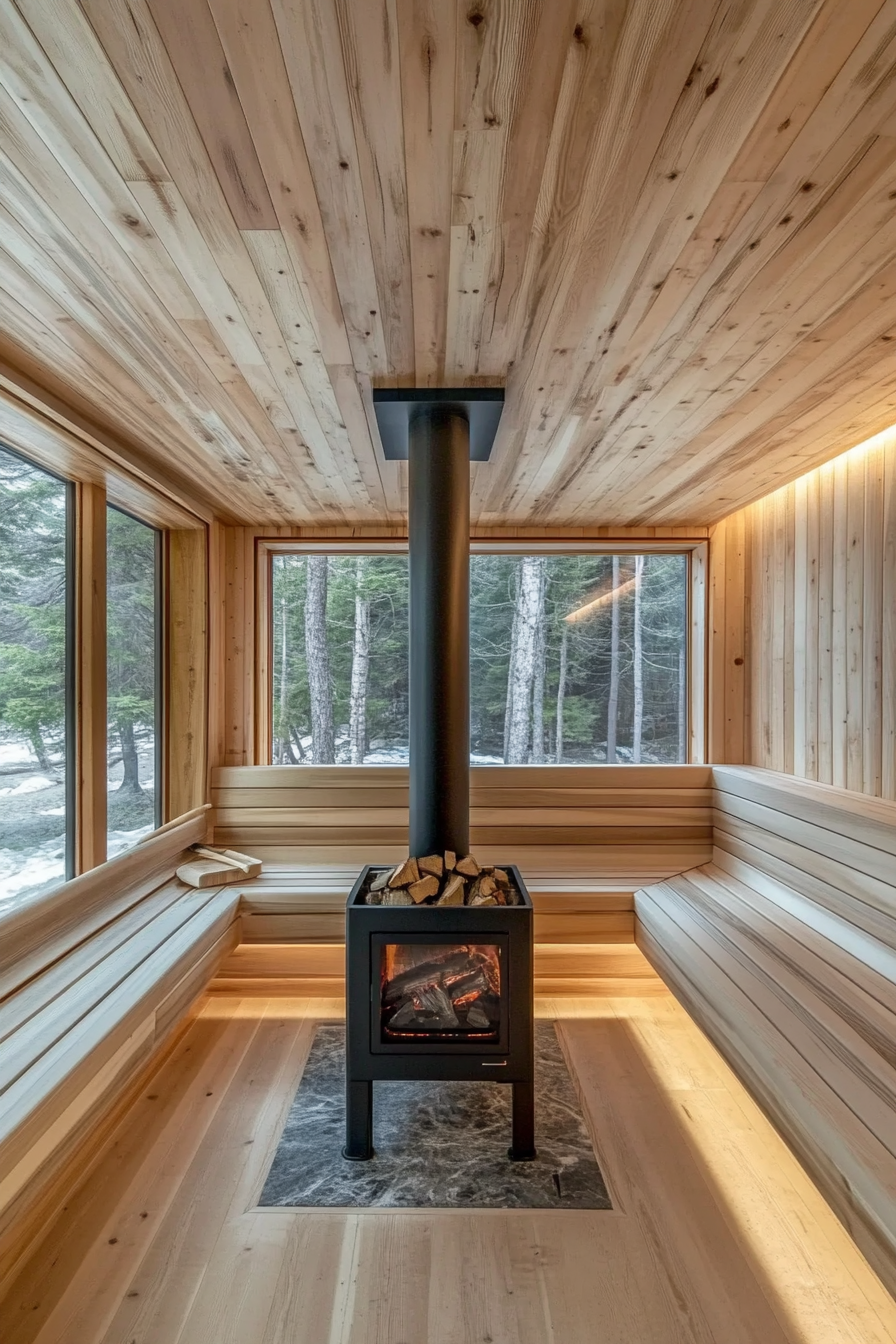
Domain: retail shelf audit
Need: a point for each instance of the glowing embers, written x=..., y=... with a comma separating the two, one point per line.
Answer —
x=438, y=990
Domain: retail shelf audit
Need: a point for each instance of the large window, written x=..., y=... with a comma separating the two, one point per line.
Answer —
x=132, y=674
x=576, y=659
x=36, y=816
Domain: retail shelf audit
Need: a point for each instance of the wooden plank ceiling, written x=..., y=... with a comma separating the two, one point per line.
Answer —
x=667, y=225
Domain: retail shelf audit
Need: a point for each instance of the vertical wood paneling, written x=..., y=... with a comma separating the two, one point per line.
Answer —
x=839, y=626
x=888, y=649
x=810, y=663
x=815, y=609
x=825, y=622
x=186, y=680
x=239, y=643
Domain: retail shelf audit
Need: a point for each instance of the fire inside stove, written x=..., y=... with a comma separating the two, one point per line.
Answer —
x=449, y=991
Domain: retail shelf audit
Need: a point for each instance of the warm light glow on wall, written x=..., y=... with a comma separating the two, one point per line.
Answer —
x=582, y=613
x=866, y=448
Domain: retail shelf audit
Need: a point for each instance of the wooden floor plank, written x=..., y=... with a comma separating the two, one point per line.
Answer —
x=717, y=1236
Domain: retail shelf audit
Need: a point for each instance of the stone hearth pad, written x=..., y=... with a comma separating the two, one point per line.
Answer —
x=438, y=1145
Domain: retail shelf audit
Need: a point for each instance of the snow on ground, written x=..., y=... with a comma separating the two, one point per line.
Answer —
x=15, y=753
x=23, y=876
x=118, y=841
x=33, y=784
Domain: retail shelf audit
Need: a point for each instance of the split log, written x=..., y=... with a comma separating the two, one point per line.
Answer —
x=474, y=983
x=487, y=885
x=501, y=877
x=380, y=879
x=431, y=864
x=405, y=874
x=468, y=866
x=434, y=1000
x=425, y=973
x=454, y=891
x=427, y=886
x=406, y=1015
x=480, y=897
x=398, y=896
x=450, y=860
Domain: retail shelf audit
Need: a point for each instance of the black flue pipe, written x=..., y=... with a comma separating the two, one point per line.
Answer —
x=439, y=557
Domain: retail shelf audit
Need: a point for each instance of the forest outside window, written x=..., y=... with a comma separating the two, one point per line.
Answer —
x=36, y=766
x=132, y=679
x=576, y=659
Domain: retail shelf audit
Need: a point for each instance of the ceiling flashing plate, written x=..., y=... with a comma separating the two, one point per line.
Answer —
x=396, y=407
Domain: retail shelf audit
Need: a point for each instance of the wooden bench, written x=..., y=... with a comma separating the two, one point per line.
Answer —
x=93, y=980
x=784, y=950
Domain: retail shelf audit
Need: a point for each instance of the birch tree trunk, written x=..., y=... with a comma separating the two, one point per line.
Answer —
x=360, y=669
x=283, y=738
x=639, y=664
x=522, y=668
x=508, y=702
x=538, y=681
x=318, y=661
x=682, y=707
x=613, y=699
x=561, y=693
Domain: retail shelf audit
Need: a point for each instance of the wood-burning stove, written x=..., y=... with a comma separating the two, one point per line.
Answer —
x=438, y=992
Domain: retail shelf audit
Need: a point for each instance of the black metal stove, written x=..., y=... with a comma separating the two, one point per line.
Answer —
x=472, y=969
x=439, y=991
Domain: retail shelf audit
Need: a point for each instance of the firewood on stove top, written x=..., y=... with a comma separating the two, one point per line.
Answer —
x=432, y=864
x=397, y=896
x=480, y=897
x=450, y=860
x=453, y=893
x=487, y=885
x=501, y=877
x=427, y=886
x=468, y=866
x=381, y=879
x=405, y=874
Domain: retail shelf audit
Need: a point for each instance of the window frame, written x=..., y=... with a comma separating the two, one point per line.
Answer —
x=182, y=654
x=159, y=649
x=695, y=549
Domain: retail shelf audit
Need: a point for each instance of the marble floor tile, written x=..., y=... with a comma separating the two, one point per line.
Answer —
x=438, y=1144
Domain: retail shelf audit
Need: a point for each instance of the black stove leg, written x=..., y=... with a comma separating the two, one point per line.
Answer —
x=523, y=1146
x=358, y=1120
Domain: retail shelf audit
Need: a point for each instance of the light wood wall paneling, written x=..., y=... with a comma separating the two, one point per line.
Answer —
x=784, y=951
x=816, y=608
x=90, y=677
x=186, y=704
x=217, y=655
x=239, y=646
x=616, y=823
